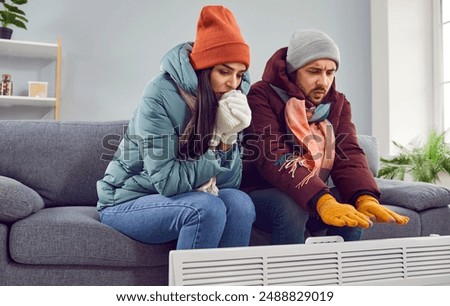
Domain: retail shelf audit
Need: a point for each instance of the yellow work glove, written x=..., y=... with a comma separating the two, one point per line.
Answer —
x=370, y=207
x=337, y=214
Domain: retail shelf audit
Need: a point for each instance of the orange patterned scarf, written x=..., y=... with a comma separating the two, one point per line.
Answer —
x=314, y=135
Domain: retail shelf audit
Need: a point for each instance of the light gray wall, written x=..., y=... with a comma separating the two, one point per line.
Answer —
x=111, y=48
x=404, y=81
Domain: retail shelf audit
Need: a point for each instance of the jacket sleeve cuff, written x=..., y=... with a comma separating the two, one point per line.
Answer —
x=360, y=193
x=312, y=204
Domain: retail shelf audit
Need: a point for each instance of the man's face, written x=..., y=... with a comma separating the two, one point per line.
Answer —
x=316, y=78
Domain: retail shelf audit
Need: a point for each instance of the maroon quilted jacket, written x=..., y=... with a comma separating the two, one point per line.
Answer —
x=266, y=141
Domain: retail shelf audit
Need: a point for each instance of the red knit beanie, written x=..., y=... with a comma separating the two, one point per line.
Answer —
x=219, y=40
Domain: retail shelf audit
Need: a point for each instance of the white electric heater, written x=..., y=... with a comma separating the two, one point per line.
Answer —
x=396, y=261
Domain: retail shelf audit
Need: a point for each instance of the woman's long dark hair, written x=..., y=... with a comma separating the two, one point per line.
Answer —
x=204, y=118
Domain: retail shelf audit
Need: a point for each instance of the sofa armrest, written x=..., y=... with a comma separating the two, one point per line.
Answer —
x=17, y=201
x=417, y=196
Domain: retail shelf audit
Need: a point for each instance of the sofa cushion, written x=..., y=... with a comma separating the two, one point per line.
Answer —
x=17, y=201
x=61, y=161
x=392, y=230
x=74, y=236
x=435, y=221
x=416, y=196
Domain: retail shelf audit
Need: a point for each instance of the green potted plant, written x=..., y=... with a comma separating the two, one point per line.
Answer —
x=423, y=163
x=11, y=15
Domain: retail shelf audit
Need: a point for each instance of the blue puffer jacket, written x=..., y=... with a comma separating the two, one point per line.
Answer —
x=146, y=161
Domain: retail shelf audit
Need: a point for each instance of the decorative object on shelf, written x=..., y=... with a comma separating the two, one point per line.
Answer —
x=37, y=89
x=37, y=57
x=423, y=163
x=6, y=88
x=11, y=15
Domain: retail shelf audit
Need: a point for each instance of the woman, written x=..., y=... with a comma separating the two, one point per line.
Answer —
x=177, y=171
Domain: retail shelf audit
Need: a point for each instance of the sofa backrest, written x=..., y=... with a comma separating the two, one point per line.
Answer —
x=62, y=161
x=369, y=145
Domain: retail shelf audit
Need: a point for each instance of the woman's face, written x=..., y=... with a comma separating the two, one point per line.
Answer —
x=226, y=77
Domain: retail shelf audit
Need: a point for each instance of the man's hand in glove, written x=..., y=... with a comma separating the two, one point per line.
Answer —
x=334, y=213
x=370, y=207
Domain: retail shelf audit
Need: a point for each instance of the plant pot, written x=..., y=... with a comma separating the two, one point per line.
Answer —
x=5, y=33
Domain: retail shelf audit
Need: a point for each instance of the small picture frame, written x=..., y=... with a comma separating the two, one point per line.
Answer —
x=37, y=89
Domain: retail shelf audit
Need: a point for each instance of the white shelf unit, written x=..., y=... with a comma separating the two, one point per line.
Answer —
x=13, y=51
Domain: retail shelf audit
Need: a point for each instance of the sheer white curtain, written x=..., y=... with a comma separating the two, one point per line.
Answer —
x=445, y=83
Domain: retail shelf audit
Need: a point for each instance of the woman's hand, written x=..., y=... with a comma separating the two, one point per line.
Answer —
x=233, y=115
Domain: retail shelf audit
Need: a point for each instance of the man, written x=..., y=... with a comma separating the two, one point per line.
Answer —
x=300, y=136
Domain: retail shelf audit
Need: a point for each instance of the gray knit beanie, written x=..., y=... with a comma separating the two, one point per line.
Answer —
x=310, y=45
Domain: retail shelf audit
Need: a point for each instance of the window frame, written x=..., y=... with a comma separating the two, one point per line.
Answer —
x=442, y=102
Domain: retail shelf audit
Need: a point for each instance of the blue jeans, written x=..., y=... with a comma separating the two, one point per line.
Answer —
x=196, y=219
x=278, y=214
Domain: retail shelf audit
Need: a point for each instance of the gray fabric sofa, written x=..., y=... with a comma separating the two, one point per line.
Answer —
x=50, y=232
